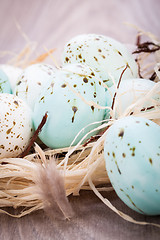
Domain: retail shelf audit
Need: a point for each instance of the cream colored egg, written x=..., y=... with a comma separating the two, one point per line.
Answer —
x=105, y=55
x=16, y=127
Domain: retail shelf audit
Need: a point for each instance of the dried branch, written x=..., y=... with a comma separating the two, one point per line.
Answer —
x=34, y=137
x=149, y=47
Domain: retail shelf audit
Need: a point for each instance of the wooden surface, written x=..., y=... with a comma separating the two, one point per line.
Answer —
x=51, y=24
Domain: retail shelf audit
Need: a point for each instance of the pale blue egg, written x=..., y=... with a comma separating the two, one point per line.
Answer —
x=106, y=55
x=4, y=83
x=132, y=155
x=12, y=73
x=128, y=93
x=65, y=101
x=31, y=82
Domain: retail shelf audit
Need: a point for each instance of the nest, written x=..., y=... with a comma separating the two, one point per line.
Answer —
x=44, y=179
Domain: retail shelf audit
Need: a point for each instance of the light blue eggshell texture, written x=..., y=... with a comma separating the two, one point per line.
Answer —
x=132, y=155
x=67, y=112
x=4, y=83
x=31, y=82
x=106, y=55
x=130, y=91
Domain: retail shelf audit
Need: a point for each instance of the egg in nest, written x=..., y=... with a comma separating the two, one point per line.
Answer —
x=132, y=154
x=16, y=126
x=32, y=80
x=72, y=101
x=129, y=93
x=4, y=83
x=104, y=54
x=12, y=73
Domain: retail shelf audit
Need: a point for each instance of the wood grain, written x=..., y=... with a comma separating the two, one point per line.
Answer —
x=51, y=24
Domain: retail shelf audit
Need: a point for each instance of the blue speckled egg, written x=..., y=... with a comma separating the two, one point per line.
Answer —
x=106, y=55
x=4, y=83
x=132, y=155
x=65, y=100
x=130, y=91
x=31, y=82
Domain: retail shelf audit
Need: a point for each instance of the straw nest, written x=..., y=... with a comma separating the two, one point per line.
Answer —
x=44, y=179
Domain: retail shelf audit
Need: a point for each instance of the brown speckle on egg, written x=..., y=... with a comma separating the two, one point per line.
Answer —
x=121, y=133
x=63, y=85
x=42, y=99
x=151, y=161
x=67, y=59
x=19, y=82
x=119, y=53
x=80, y=56
x=74, y=109
x=118, y=167
x=92, y=73
x=92, y=107
x=8, y=131
x=96, y=59
x=85, y=80
x=16, y=148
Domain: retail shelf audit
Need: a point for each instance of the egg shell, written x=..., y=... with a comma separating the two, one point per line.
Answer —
x=4, y=83
x=12, y=73
x=106, y=55
x=128, y=93
x=32, y=80
x=132, y=155
x=16, y=127
x=67, y=112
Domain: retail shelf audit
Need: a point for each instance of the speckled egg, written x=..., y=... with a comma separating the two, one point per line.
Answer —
x=70, y=103
x=16, y=126
x=130, y=91
x=32, y=80
x=106, y=55
x=12, y=73
x=4, y=83
x=132, y=155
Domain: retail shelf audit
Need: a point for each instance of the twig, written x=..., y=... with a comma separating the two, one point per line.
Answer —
x=139, y=68
x=114, y=97
x=96, y=137
x=153, y=76
x=34, y=137
x=146, y=47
